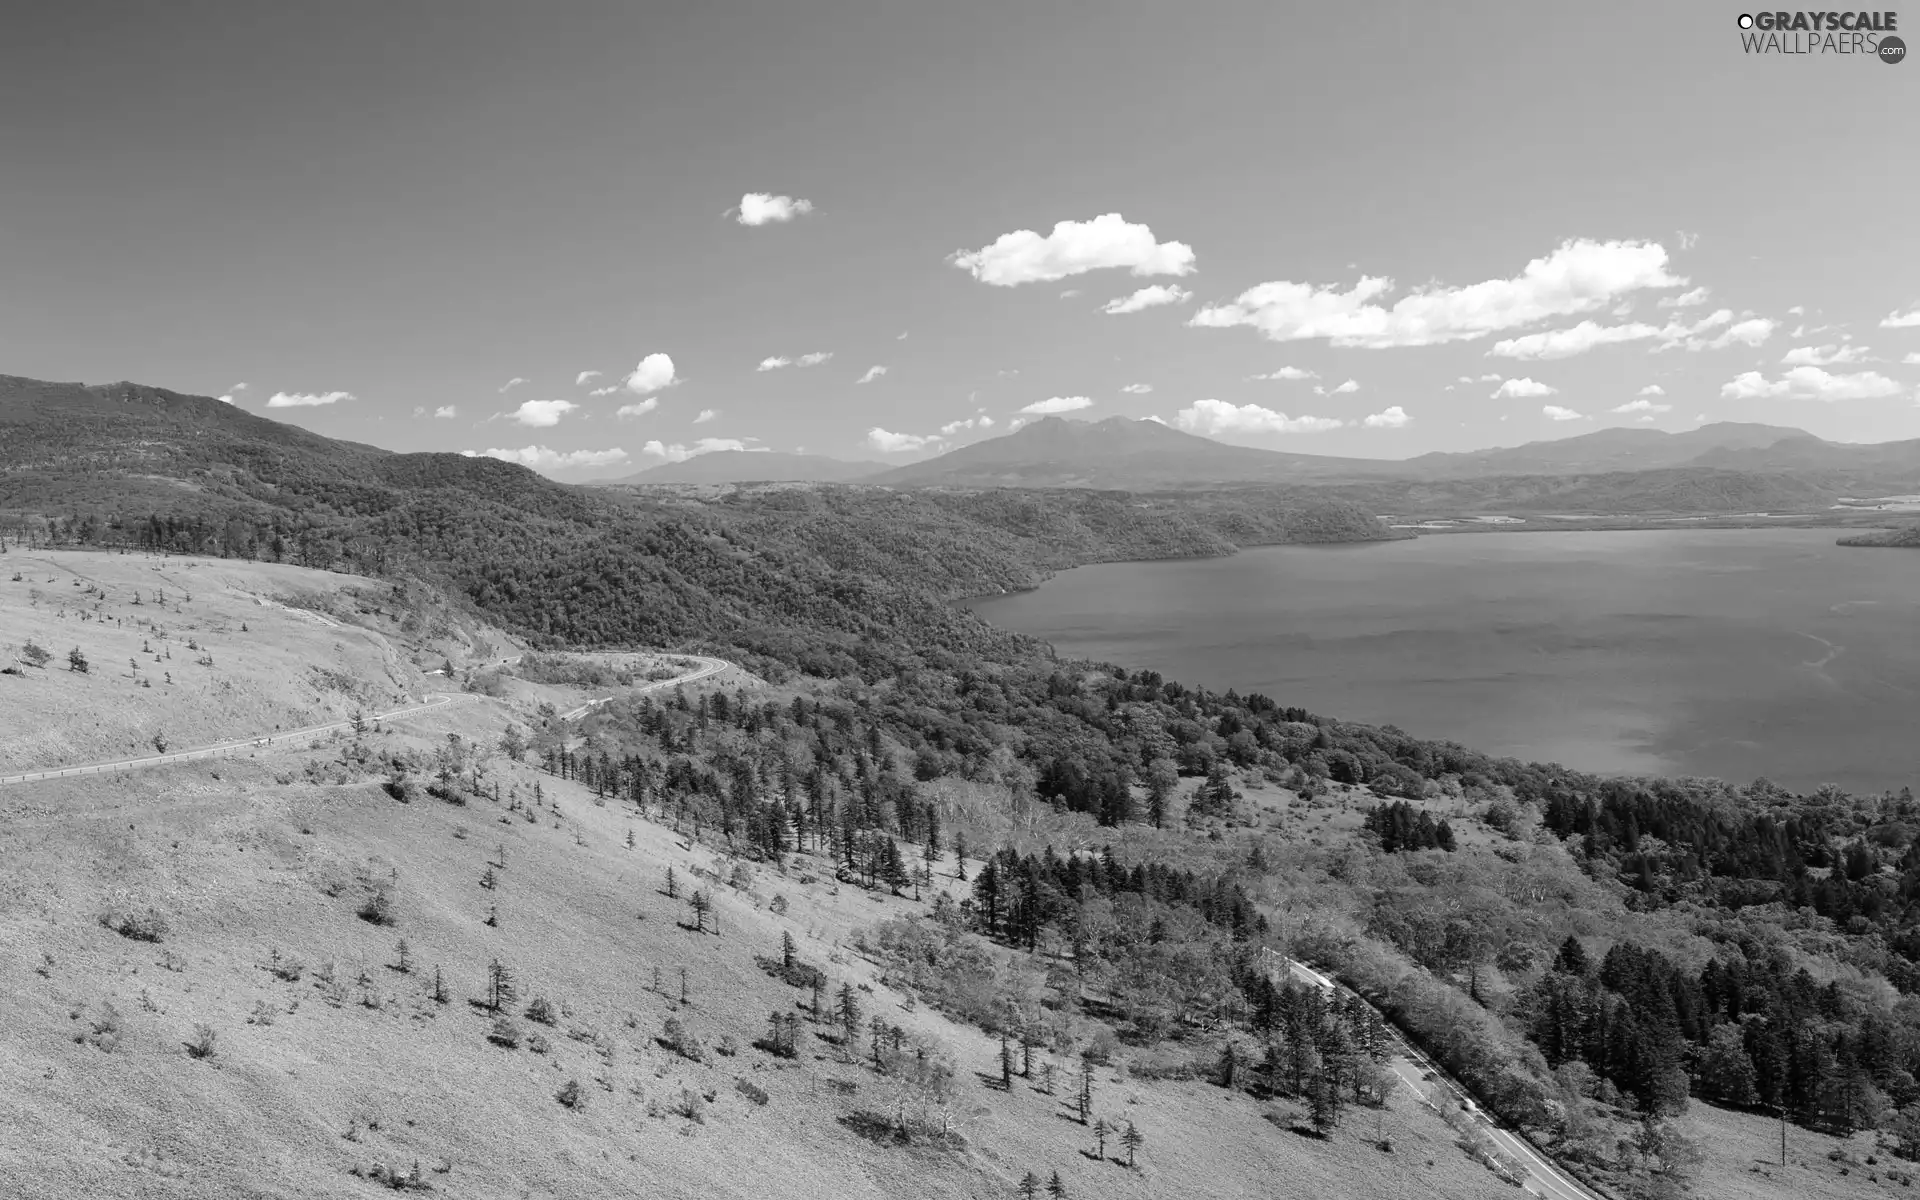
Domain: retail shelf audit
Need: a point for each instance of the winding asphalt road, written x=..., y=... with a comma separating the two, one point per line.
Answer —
x=708, y=666
x=1418, y=1072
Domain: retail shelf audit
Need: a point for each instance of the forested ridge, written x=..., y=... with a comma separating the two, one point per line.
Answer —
x=1583, y=952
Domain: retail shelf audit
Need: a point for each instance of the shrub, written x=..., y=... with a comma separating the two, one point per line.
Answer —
x=103, y=1032
x=676, y=1037
x=541, y=1010
x=571, y=1095
x=539, y=1044
x=202, y=1044
x=751, y=1091
x=377, y=908
x=505, y=1032
x=145, y=926
x=727, y=1046
x=286, y=970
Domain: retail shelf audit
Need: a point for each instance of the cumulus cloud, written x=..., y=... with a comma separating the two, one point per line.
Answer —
x=1218, y=416
x=1073, y=248
x=306, y=399
x=677, y=452
x=227, y=399
x=1560, y=414
x=1351, y=385
x=1752, y=332
x=540, y=458
x=1070, y=293
x=510, y=384
x=242, y=386
x=1902, y=320
x=1830, y=355
x=981, y=421
x=1565, y=343
x=1137, y=389
x=774, y=363
x=586, y=377
x=1057, y=404
x=814, y=359
x=874, y=372
x=706, y=414
x=1642, y=406
x=1152, y=296
x=653, y=373
x=1579, y=276
x=1653, y=389
x=542, y=413
x=446, y=412
x=1811, y=383
x=1913, y=359
x=1392, y=418
x=888, y=442
x=1288, y=373
x=1521, y=389
x=1797, y=310
x=759, y=208
x=1687, y=299
x=638, y=408
x=609, y=390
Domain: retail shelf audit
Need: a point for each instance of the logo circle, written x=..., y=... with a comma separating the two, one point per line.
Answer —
x=1892, y=50
x=1746, y=21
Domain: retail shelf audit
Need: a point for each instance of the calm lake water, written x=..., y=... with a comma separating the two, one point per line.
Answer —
x=1729, y=653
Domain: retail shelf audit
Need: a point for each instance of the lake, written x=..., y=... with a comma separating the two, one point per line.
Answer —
x=1732, y=653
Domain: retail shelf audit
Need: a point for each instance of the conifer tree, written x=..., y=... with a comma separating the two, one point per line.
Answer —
x=1084, y=1102
x=1056, y=1189
x=787, y=950
x=500, y=986
x=1029, y=1186
x=1100, y=1131
x=1132, y=1139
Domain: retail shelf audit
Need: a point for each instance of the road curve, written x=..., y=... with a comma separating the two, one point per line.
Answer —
x=708, y=666
x=1415, y=1069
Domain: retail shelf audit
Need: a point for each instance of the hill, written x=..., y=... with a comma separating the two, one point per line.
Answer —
x=1905, y=536
x=749, y=466
x=1606, y=451
x=1117, y=453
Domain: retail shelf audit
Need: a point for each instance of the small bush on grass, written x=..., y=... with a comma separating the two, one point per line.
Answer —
x=141, y=925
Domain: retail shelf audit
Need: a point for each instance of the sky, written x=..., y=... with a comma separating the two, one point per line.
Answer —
x=593, y=238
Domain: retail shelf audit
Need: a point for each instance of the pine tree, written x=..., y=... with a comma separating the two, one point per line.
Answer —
x=404, y=963
x=1132, y=1139
x=1100, y=1131
x=1047, y=1072
x=1029, y=1186
x=1084, y=1102
x=1056, y=1190
x=77, y=661
x=847, y=1009
x=673, y=885
x=500, y=986
x=439, y=986
x=1006, y=1062
x=787, y=950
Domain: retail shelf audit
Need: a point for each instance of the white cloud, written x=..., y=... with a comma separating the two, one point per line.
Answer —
x=510, y=384
x=226, y=399
x=706, y=414
x=1560, y=414
x=540, y=458
x=242, y=386
x=1564, y=343
x=1812, y=383
x=653, y=373
x=639, y=408
x=814, y=359
x=1685, y=299
x=1688, y=240
x=1653, y=389
x=1073, y=247
x=1218, y=416
x=774, y=363
x=1351, y=385
x=1522, y=388
x=1902, y=320
x=680, y=453
x=1678, y=333
x=542, y=413
x=1642, y=406
x=1824, y=356
x=306, y=399
x=1288, y=373
x=1070, y=293
x=1912, y=360
x=1057, y=404
x=895, y=443
x=1579, y=276
x=981, y=421
x=1137, y=389
x=1797, y=310
x=901, y=336
x=759, y=208
x=446, y=412
x=1151, y=296
x=1752, y=332
x=874, y=372
x=609, y=390
x=586, y=377
x=1392, y=418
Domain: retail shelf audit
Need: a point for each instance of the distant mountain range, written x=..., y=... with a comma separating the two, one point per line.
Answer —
x=752, y=466
x=1145, y=455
